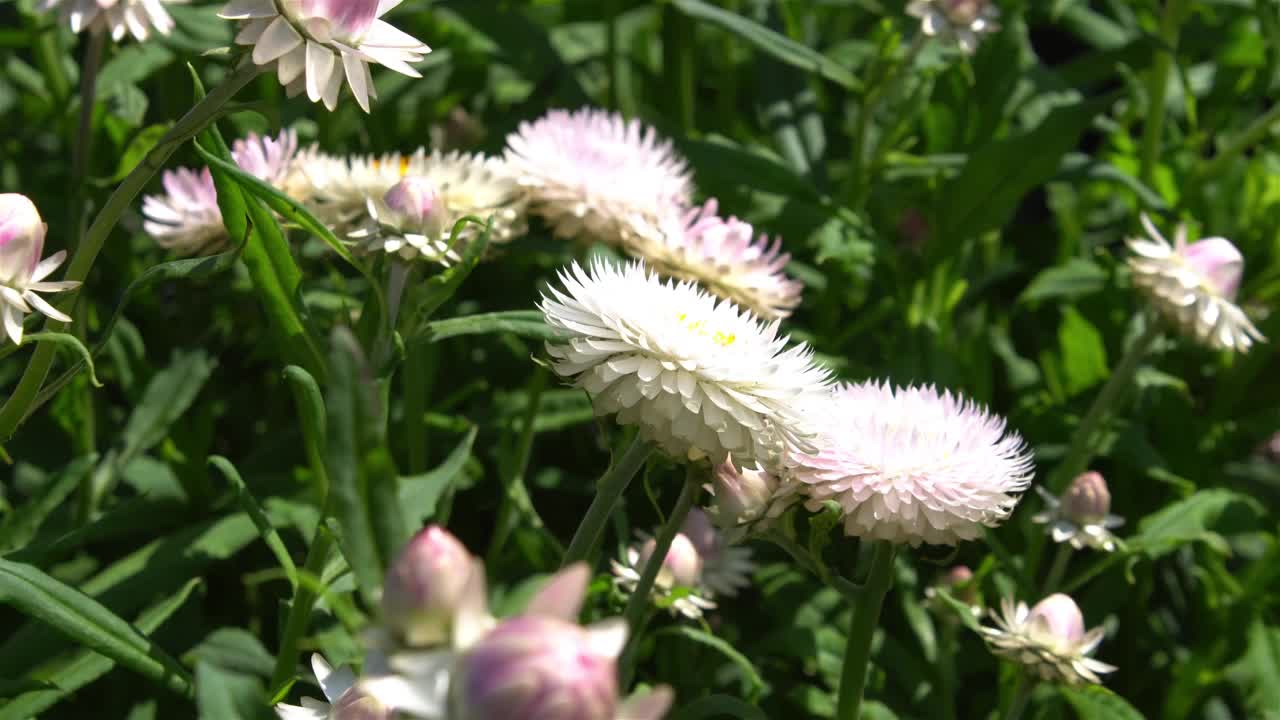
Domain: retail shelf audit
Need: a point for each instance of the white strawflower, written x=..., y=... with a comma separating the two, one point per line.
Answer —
x=1049, y=640
x=910, y=465
x=961, y=21
x=315, y=44
x=138, y=18
x=1194, y=285
x=699, y=376
x=595, y=175
x=723, y=255
x=22, y=272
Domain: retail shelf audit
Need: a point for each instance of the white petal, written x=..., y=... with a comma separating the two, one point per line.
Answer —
x=13, y=324
x=320, y=61
x=48, y=265
x=356, y=76
x=45, y=308
x=245, y=9
x=278, y=39
x=607, y=637
x=562, y=596
x=333, y=682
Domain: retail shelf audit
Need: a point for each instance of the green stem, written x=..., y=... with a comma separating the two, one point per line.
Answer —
x=49, y=57
x=678, y=65
x=638, y=603
x=1058, y=569
x=608, y=490
x=857, y=185
x=1256, y=132
x=304, y=600
x=866, y=616
x=14, y=410
x=1158, y=87
x=947, y=669
x=1021, y=695
x=516, y=497
x=612, y=10
x=82, y=151
x=419, y=371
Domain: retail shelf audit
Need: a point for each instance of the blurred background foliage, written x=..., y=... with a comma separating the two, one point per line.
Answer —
x=975, y=243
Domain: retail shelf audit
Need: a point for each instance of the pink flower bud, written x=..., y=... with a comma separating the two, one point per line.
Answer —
x=426, y=586
x=1057, y=617
x=1088, y=500
x=21, y=239
x=704, y=536
x=1219, y=262
x=348, y=19
x=415, y=197
x=541, y=668
x=682, y=566
x=964, y=11
x=741, y=495
x=354, y=704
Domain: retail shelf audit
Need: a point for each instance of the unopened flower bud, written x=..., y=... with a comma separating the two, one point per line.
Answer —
x=1088, y=500
x=704, y=536
x=1057, y=618
x=425, y=586
x=355, y=704
x=682, y=566
x=414, y=197
x=21, y=239
x=541, y=668
x=959, y=581
x=1219, y=262
x=742, y=495
x=964, y=11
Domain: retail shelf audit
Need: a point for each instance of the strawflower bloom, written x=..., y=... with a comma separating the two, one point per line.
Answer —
x=1194, y=285
x=1049, y=640
x=912, y=465
x=748, y=496
x=315, y=44
x=346, y=699
x=723, y=255
x=1082, y=516
x=961, y=21
x=138, y=18
x=597, y=176
x=699, y=376
x=426, y=587
x=22, y=272
x=679, y=581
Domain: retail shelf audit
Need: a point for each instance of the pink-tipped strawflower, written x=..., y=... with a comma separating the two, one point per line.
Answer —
x=701, y=377
x=315, y=44
x=346, y=699
x=963, y=22
x=22, y=272
x=912, y=465
x=426, y=587
x=726, y=256
x=138, y=18
x=1082, y=516
x=679, y=581
x=1048, y=639
x=1194, y=286
x=596, y=176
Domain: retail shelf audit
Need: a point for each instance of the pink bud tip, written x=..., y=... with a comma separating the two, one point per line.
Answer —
x=415, y=197
x=683, y=564
x=425, y=586
x=1088, y=500
x=1219, y=262
x=21, y=237
x=1058, y=617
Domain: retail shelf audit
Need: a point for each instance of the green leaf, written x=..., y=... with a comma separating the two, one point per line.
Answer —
x=749, y=672
x=169, y=394
x=20, y=526
x=421, y=495
x=223, y=694
x=311, y=412
x=775, y=44
x=1257, y=673
x=524, y=323
x=723, y=165
x=259, y=517
x=1094, y=702
x=719, y=706
x=439, y=288
x=1084, y=356
x=80, y=617
x=234, y=649
x=70, y=341
x=141, y=144
x=1072, y=280
x=1191, y=520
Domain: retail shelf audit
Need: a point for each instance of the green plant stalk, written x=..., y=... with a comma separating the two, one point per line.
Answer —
x=516, y=496
x=678, y=65
x=15, y=408
x=866, y=616
x=612, y=9
x=1021, y=696
x=1255, y=133
x=49, y=57
x=304, y=601
x=1158, y=88
x=638, y=603
x=856, y=185
x=947, y=668
x=419, y=366
x=1058, y=569
x=609, y=489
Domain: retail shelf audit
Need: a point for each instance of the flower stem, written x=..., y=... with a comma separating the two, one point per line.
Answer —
x=857, y=185
x=304, y=600
x=947, y=669
x=638, y=603
x=608, y=490
x=1021, y=695
x=82, y=151
x=1059, y=568
x=866, y=616
x=15, y=408
x=1158, y=87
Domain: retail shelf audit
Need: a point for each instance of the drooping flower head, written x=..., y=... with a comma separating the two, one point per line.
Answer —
x=315, y=44
x=961, y=21
x=700, y=377
x=597, y=176
x=723, y=255
x=1049, y=640
x=1082, y=516
x=22, y=272
x=346, y=700
x=748, y=496
x=138, y=18
x=912, y=465
x=1194, y=286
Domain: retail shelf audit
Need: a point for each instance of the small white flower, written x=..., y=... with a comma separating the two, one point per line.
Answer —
x=912, y=465
x=1082, y=515
x=699, y=376
x=723, y=255
x=1194, y=285
x=346, y=700
x=964, y=21
x=119, y=17
x=597, y=176
x=22, y=272
x=314, y=44
x=1049, y=640
x=679, y=581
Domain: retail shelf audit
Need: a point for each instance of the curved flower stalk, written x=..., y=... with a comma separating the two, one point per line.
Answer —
x=186, y=218
x=1082, y=516
x=596, y=176
x=912, y=465
x=699, y=376
x=315, y=44
x=22, y=272
x=137, y=18
x=1194, y=286
x=723, y=255
x=963, y=22
x=1049, y=640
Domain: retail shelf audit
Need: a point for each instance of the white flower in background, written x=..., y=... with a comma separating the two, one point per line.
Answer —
x=699, y=376
x=1194, y=285
x=186, y=218
x=596, y=176
x=1049, y=640
x=961, y=21
x=1082, y=515
x=748, y=496
x=679, y=580
x=910, y=465
x=118, y=17
x=726, y=568
x=346, y=700
x=22, y=272
x=724, y=256
x=315, y=44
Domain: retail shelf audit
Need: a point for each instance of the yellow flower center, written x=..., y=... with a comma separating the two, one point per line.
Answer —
x=699, y=328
